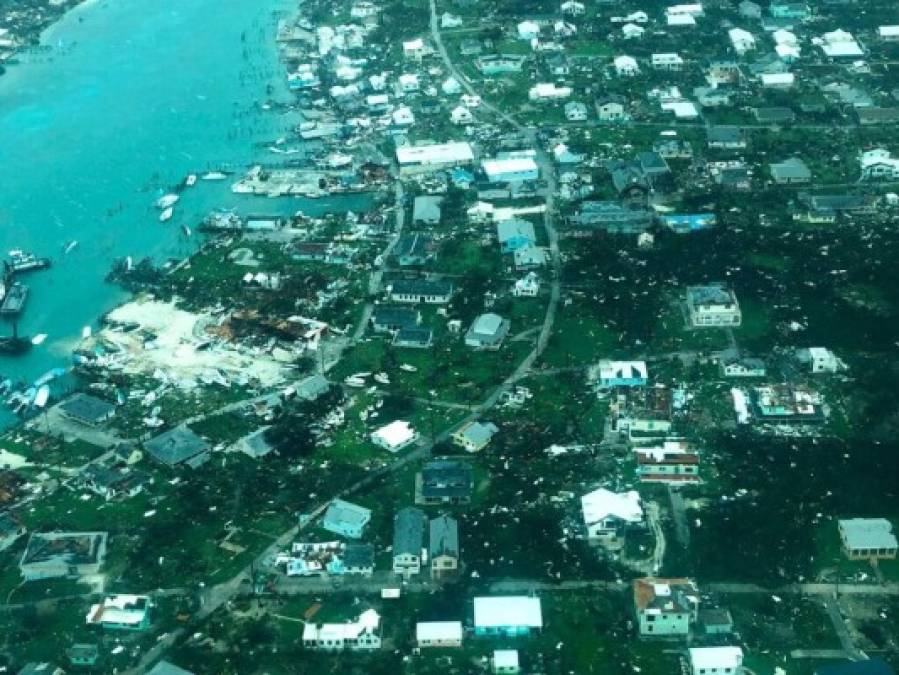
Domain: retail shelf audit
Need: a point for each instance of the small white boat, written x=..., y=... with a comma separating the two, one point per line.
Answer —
x=39, y=339
x=214, y=175
x=86, y=332
x=355, y=382
x=186, y=230
x=166, y=201
x=68, y=248
x=382, y=378
x=191, y=180
x=408, y=368
x=166, y=214
x=42, y=396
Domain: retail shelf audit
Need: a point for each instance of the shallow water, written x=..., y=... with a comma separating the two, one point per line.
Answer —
x=124, y=99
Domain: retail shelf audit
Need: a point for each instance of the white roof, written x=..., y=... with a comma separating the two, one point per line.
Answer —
x=782, y=36
x=505, y=658
x=610, y=369
x=785, y=50
x=682, y=109
x=395, y=433
x=694, y=9
x=625, y=63
x=510, y=610
x=740, y=35
x=778, y=78
x=511, y=165
x=603, y=503
x=716, y=657
x=840, y=43
x=868, y=533
x=681, y=20
x=413, y=45
x=367, y=621
x=888, y=31
x=438, y=630
x=439, y=153
x=123, y=609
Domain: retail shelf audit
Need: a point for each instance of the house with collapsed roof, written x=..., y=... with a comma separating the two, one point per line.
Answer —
x=121, y=612
x=51, y=555
x=672, y=462
x=362, y=634
x=711, y=305
x=607, y=515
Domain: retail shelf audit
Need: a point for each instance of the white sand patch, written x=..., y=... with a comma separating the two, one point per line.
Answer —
x=12, y=460
x=174, y=355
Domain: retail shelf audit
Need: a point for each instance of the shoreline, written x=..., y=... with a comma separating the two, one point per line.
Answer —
x=32, y=36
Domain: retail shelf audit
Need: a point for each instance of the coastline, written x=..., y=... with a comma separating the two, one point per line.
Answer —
x=31, y=36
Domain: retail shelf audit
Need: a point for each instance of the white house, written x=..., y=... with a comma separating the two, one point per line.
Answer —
x=409, y=83
x=626, y=66
x=716, y=660
x=414, y=49
x=575, y=111
x=605, y=512
x=508, y=615
x=742, y=40
x=403, y=116
x=474, y=436
x=868, y=538
x=438, y=633
x=433, y=157
x=395, y=436
x=713, y=305
x=665, y=606
x=667, y=61
x=511, y=169
x=451, y=86
x=680, y=20
x=822, y=360
x=548, y=91
x=461, y=115
x=840, y=44
x=777, y=80
x=505, y=662
x=879, y=164
x=888, y=33
x=346, y=519
x=572, y=8
x=632, y=31
x=528, y=30
x=359, y=635
x=693, y=9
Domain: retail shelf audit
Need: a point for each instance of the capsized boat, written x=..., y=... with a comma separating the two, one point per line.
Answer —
x=166, y=201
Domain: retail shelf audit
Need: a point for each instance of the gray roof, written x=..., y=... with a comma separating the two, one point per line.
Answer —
x=515, y=228
x=400, y=317
x=444, y=537
x=868, y=533
x=413, y=336
x=480, y=432
x=446, y=477
x=86, y=407
x=724, y=134
x=426, y=207
x=792, y=168
x=342, y=513
x=710, y=294
x=421, y=287
x=359, y=555
x=408, y=531
x=312, y=387
x=487, y=324
x=176, y=446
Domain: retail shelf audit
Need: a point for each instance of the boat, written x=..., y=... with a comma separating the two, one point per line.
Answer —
x=42, y=396
x=166, y=214
x=14, y=345
x=186, y=230
x=214, y=175
x=38, y=339
x=14, y=302
x=355, y=382
x=382, y=378
x=49, y=376
x=191, y=180
x=166, y=201
x=408, y=368
x=20, y=261
x=69, y=247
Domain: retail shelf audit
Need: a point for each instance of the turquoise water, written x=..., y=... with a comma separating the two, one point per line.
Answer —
x=127, y=98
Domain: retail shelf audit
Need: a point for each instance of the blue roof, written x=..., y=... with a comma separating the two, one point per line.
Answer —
x=687, y=222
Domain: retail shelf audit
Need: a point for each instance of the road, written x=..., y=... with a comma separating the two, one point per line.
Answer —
x=832, y=607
